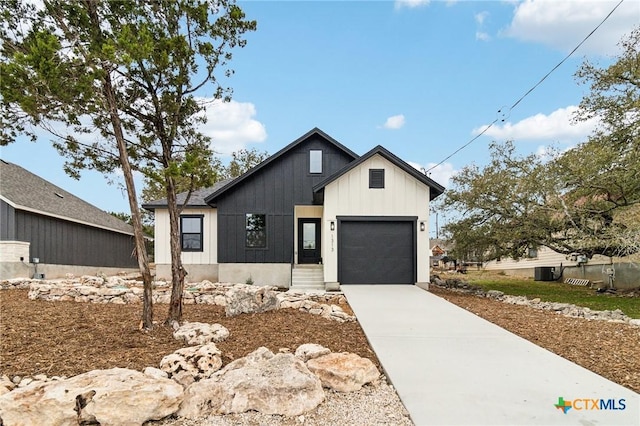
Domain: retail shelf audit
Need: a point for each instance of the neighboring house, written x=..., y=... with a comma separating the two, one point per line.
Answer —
x=63, y=233
x=438, y=249
x=624, y=272
x=314, y=211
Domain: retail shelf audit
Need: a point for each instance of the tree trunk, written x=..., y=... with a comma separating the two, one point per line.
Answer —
x=141, y=250
x=177, y=270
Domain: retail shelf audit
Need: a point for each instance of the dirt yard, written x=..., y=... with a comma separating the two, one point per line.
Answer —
x=68, y=338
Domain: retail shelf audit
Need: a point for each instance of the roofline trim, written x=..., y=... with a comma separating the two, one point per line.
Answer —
x=68, y=219
x=389, y=156
x=277, y=155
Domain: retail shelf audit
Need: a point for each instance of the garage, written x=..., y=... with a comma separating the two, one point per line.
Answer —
x=376, y=250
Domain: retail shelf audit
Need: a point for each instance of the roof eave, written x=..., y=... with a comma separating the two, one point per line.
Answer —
x=435, y=188
x=277, y=155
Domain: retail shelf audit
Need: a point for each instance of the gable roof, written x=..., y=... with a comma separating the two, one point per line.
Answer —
x=26, y=191
x=197, y=197
x=436, y=188
x=277, y=155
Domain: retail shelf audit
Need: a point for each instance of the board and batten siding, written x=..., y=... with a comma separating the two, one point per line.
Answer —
x=273, y=191
x=59, y=242
x=8, y=222
x=350, y=195
x=209, y=254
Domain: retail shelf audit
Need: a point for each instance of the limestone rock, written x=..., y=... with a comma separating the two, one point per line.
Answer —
x=117, y=396
x=199, y=333
x=261, y=381
x=344, y=372
x=200, y=362
x=247, y=299
x=155, y=373
x=311, y=350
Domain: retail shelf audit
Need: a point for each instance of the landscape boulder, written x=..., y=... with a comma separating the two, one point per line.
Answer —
x=311, y=350
x=262, y=381
x=344, y=372
x=117, y=396
x=247, y=299
x=199, y=362
x=199, y=333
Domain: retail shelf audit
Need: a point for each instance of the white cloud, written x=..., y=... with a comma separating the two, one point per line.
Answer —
x=482, y=36
x=231, y=126
x=441, y=174
x=410, y=4
x=394, y=122
x=563, y=24
x=480, y=17
x=555, y=127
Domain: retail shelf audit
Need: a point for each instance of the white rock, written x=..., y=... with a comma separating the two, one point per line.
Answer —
x=198, y=333
x=111, y=397
x=261, y=381
x=198, y=361
x=311, y=350
x=247, y=299
x=344, y=372
x=155, y=373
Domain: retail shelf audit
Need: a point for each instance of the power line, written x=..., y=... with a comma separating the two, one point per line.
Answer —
x=528, y=91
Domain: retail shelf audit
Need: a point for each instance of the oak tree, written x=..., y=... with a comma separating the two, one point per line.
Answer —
x=122, y=85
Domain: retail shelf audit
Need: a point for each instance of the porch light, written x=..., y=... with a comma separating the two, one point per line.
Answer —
x=332, y=226
x=422, y=227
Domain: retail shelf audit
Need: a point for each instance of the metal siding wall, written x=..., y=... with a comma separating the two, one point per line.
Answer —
x=55, y=241
x=273, y=191
x=7, y=222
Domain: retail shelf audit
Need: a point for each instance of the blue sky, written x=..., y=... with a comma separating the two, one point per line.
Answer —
x=420, y=78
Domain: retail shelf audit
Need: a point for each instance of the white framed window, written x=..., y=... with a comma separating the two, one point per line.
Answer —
x=315, y=161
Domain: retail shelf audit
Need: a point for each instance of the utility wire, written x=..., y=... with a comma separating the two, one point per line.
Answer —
x=528, y=91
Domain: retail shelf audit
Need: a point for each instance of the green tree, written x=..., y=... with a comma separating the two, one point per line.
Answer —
x=125, y=75
x=241, y=162
x=586, y=200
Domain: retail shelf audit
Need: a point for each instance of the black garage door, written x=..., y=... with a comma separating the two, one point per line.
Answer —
x=376, y=251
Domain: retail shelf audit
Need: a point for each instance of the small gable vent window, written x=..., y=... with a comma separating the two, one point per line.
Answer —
x=315, y=161
x=191, y=233
x=376, y=178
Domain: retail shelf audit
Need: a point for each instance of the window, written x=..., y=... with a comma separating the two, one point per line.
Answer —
x=376, y=178
x=532, y=253
x=256, y=226
x=191, y=233
x=315, y=161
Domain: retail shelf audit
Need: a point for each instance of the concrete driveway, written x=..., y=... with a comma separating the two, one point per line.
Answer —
x=451, y=367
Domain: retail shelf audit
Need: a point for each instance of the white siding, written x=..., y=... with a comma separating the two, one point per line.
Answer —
x=546, y=257
x=350, y=195
x=210, y=243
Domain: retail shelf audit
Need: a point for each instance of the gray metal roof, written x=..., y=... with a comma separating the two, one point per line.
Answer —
x=26, y=191
x=197, y=197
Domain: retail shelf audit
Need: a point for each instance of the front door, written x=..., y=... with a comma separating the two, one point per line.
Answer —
x=309, y=241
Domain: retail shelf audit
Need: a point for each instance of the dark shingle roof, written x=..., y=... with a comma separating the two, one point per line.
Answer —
x=26, y=191
x=196, y=200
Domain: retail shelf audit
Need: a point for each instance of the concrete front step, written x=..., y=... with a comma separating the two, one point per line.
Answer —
x=308, y=277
